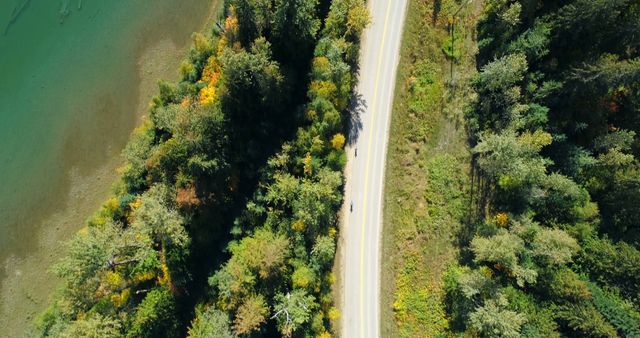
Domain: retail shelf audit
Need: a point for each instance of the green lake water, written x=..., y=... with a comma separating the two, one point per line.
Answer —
x=75, y=78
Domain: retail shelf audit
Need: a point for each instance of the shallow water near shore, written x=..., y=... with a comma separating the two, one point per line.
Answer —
x=75, y=78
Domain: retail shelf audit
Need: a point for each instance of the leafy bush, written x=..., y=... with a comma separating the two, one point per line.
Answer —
x=618, y=312
x=156, y=316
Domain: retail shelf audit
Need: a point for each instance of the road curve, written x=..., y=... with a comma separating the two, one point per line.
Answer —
x=362, y=218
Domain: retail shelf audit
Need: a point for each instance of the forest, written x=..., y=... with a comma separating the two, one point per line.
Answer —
x=223, y=223
x=552, y=248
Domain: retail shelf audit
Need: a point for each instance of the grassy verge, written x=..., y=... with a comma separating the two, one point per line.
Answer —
x=427, y=180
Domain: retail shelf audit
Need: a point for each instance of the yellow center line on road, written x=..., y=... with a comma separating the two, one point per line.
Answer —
x=366, y=175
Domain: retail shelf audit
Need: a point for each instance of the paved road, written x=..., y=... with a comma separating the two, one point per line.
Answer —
x=362, y=225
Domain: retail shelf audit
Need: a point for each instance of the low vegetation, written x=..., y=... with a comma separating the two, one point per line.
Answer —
x=427, y=176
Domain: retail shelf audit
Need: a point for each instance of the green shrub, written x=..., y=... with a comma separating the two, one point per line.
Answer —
x=452, y=47
x=585, y=320
x=618, y=312
x=156, y=316
x=540, y=318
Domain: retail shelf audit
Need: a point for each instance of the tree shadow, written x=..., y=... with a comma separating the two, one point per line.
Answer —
x=357, y=108
x=437, y=7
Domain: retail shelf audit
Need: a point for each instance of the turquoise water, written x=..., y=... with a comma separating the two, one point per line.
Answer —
x=71, y=83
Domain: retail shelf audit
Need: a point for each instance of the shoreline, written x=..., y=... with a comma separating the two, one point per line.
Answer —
x=27, y=285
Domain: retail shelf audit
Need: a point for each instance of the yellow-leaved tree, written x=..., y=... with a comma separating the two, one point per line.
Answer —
x=337, y=141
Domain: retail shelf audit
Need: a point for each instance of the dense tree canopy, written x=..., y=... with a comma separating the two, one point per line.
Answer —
x=554, y=134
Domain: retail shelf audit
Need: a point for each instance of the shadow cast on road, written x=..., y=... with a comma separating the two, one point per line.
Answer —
x=357, y=108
